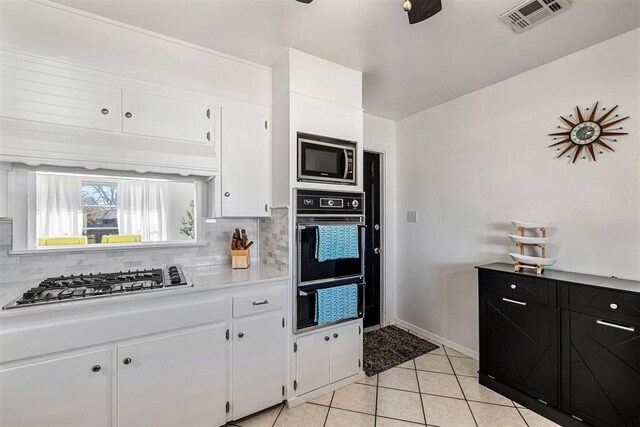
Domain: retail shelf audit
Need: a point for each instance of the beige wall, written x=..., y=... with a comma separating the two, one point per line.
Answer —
x=473, y=164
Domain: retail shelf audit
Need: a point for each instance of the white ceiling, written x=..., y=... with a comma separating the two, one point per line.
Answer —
x=407, y=68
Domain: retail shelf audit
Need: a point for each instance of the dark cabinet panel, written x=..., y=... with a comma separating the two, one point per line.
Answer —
x=601, y=370
x=516, y=285
x=519, y=345
x=594, y=300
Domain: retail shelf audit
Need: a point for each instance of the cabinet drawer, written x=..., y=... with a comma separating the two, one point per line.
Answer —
x=523, y=288
x=598, y=300
x=257, y=302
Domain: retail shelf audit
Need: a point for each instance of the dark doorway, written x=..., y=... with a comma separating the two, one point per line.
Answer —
x=372, y=255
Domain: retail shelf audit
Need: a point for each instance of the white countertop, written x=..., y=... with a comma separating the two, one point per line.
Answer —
x=203, y=278
x=224, y=276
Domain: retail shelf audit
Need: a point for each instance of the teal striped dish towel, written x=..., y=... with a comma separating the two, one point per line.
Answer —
x=337, y=242
x=338, y=303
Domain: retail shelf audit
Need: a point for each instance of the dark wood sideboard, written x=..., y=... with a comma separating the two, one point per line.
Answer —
x=564, y=345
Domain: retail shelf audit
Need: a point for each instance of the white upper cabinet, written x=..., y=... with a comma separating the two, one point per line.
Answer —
x=159, y=116
x=245, y=178
x=72, y=387
x=47, y=92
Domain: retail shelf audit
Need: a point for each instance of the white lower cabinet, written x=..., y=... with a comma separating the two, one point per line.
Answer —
x=328, y=356
x=162, y=381
x=170, y=367
x=257, y=363
x=345, y=351
x=65, y=391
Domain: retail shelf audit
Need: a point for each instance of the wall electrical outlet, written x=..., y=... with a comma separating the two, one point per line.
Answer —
x=412, y=216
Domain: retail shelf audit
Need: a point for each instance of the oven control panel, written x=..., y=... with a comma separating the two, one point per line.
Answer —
x=329, y=202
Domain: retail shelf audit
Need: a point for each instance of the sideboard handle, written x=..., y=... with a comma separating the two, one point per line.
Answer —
x=512, y=301
x=260, y=303
x=613, y=325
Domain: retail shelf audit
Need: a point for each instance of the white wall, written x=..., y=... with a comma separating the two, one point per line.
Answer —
x=473, y=164
x=379, y=136
x=63, y=33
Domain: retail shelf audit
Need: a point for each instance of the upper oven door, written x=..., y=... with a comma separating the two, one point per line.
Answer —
x=326, y=161
x=310, y=270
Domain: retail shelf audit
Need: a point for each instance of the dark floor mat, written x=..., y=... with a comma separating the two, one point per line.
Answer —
x=391, y=346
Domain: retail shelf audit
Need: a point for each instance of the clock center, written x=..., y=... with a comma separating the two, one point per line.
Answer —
x=585, y=133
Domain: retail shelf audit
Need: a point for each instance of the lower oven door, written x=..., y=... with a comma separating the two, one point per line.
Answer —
x=310, y=270
x=307, y=302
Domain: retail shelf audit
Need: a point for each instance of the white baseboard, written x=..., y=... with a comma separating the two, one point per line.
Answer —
x=438, y=339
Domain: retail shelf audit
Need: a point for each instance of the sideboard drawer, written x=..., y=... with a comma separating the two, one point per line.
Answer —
x=598, y=300
x=532, y=289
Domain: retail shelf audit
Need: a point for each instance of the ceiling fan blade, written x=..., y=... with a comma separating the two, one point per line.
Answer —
x=423, y=9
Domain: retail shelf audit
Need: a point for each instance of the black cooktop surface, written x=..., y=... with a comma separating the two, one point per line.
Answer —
x=74, y=287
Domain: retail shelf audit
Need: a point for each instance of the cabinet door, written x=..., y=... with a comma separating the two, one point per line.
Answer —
x=258, y=364
x=44, y=91
x=164, y=117
x=174, y=380
x=312, y=361
x=345, y=351
x=603, y=370
x=70, y=390
x=245, y=158
x=521, y=345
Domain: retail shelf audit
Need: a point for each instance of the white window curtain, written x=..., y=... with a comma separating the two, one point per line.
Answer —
x=142, y=209
x=58, y=205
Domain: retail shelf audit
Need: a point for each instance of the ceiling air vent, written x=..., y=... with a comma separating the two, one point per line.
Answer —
x=533, y=12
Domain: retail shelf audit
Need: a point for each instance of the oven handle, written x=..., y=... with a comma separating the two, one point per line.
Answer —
x=304, y=292
x=304, y=227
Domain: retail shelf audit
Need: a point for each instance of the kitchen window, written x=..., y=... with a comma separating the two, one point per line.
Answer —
x=99, y=210
x=65, y=209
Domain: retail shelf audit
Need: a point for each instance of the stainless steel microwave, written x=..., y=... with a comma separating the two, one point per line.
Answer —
x=326, y=160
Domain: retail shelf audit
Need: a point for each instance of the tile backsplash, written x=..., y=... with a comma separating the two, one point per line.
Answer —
x=20, y=268
x=274, y=240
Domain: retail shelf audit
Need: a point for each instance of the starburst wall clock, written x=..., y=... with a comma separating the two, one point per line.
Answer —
x=587, y=133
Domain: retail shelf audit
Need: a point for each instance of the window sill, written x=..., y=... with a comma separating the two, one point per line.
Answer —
x=104, y=248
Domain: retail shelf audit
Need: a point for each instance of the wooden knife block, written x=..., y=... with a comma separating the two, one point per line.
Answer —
x=240, y=258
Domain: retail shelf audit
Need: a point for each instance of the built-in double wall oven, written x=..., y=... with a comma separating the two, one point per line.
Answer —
x=314, y=209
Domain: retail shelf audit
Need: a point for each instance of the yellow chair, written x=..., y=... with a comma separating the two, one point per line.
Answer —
x=116, y=238
x=57, y=241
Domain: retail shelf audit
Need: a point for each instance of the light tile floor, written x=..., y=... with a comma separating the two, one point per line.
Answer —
x=437, y=389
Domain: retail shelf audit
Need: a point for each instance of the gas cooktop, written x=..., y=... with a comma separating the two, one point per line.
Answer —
x=85, y=286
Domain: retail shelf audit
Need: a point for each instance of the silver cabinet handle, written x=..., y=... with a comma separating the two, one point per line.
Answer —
x=128, y=115
x=613, y=325
x=335, y=335
x=227, y=194
x=513, y=286
x=260, y=303
x=613, y=306
x=105, y=111
x=512, y=301
x=240, y=334
x=326, y=338
x=96, y=368
x=126, y=360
